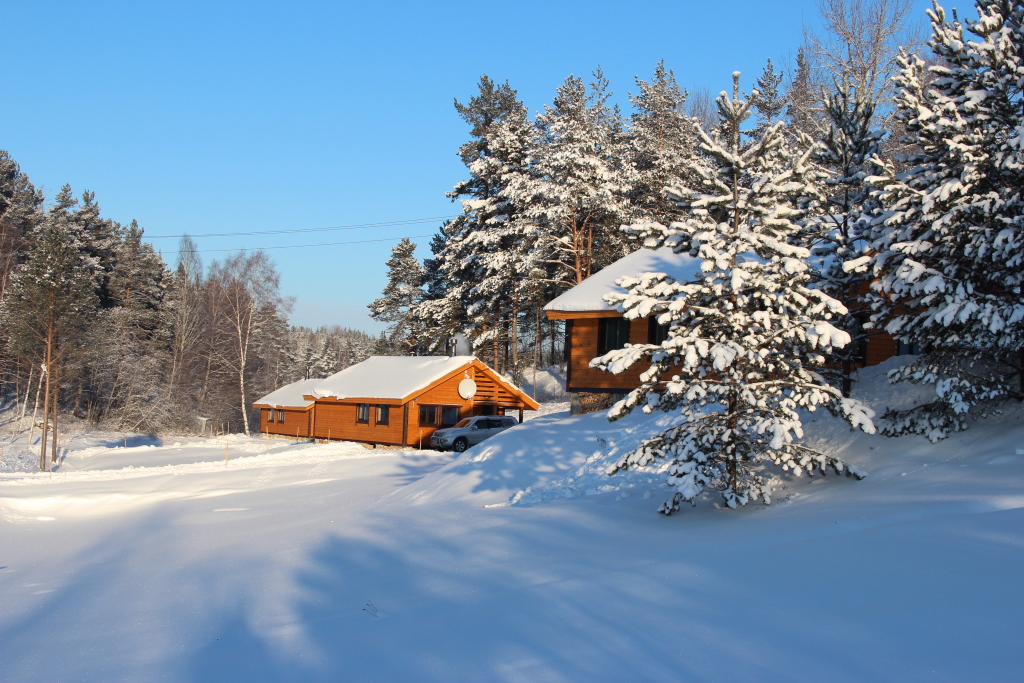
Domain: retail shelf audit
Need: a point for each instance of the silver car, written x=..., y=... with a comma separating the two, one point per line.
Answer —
x=470, y=432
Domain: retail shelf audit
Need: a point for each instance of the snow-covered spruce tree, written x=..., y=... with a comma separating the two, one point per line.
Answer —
x=947, y=254
x=402, y=295
x=745, y=335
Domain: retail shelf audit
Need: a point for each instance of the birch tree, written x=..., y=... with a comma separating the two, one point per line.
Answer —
x=247, y=301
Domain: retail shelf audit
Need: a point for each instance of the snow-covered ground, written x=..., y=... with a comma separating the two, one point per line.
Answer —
x=518, y=560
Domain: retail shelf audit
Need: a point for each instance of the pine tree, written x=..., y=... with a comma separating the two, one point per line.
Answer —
x=746, y=335
x=101, y=238
x=127, y=350
x=769, y=103
x=947, y=253
x=473, y=260
x=402, y=296
x=846, y=153
x=49, y=304
x=20, y=214
x=576, y=189
x=802, y=99
x=661, y=144
x=183, y=317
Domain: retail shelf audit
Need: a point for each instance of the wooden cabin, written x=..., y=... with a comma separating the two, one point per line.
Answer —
x=390, y=400
x=593, y=327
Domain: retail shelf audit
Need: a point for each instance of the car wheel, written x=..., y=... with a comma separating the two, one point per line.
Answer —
x=460, y=445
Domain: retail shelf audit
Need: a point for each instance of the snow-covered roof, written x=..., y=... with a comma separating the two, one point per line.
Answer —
x=589, y=294
x=290, y=395
x=384, y=377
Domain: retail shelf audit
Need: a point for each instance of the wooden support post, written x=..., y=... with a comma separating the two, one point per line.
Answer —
x=405, y=425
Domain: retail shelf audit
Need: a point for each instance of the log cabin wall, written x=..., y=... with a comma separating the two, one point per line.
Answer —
x=583, y=348
x=444, y=394
x=490, y=392
x=337, y=420
x=296, y=422
x=880, y=345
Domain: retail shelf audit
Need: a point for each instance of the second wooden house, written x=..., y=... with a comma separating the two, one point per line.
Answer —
x=593, y=327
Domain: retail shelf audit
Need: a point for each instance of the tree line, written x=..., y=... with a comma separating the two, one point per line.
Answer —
x=545, y=197
x=877, y=187
x=97, y=326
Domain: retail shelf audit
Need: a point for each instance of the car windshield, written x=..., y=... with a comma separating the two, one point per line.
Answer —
x=464, y=423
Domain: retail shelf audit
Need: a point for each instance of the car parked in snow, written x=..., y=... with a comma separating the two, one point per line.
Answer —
x=470, y=432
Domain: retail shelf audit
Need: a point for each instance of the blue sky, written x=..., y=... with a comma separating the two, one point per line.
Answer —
x=219, y=117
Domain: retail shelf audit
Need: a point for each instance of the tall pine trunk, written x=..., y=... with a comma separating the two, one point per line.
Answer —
x=56, y=408
x=46, y=393
x=515, y=333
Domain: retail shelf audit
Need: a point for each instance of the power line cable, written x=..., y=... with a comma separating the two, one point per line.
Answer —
x=303, y=246
x=357, y=226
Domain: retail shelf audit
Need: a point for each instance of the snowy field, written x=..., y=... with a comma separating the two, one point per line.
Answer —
x=517, y=561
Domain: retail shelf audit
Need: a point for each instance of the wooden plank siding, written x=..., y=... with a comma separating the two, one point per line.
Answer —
x=296, y=422
x=336, y=420
x=583, y=347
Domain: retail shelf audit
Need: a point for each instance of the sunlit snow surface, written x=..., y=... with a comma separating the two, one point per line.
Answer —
x=156, y=561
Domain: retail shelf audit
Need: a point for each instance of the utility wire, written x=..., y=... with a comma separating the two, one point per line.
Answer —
x=302, y=246
x=357, y=226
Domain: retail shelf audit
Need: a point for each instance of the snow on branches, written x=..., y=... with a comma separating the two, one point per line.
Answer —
x=746, y=335
x=947, y=240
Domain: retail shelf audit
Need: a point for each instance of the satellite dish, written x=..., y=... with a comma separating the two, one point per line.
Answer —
x=467, y=388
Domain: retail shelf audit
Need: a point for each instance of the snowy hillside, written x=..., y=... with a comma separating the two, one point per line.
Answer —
x=518, y=560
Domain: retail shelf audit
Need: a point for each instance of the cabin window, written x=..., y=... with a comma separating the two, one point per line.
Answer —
x=656, y=333
x=908, y=349
x=363, y=412
x=428, y=415
x=449, y=415
x=859, y=352
x=383, y=414
x=280, y=416
x=612, y=333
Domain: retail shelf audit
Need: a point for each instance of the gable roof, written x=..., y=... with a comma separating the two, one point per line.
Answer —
x=589, y=294
x=290, y=395
x=389, y=377
x=384, y=378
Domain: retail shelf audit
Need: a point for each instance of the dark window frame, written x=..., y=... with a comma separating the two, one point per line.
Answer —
x=442, y=422
x=362, y=413
x=612, y=334
x=280, y=415
x=383, y=416
x=435, y=417
x=656, y=333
